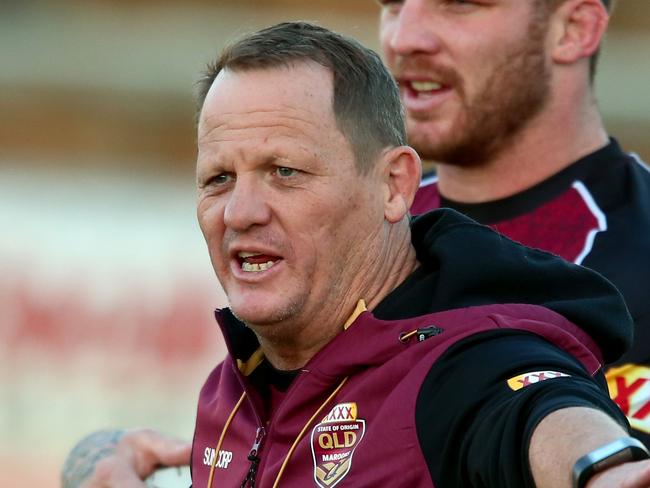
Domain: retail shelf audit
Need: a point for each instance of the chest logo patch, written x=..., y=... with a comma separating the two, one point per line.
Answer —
x=527, y=379
x=333, y=442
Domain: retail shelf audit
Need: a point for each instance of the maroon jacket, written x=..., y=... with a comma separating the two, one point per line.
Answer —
x=353, y=416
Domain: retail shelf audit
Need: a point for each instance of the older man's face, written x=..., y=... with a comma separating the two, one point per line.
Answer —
x=285, y=213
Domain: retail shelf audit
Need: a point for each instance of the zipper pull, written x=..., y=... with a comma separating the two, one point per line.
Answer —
x=259, y=435
x=421, y=334
x=254, y=459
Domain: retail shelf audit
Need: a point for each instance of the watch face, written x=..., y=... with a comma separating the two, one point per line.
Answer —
x=619, y=457
x=612, y=454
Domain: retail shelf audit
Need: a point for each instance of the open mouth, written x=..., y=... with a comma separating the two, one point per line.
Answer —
x=422, y=88
x=252, y=262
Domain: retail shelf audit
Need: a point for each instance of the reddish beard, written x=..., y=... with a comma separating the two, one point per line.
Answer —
x=517, y=89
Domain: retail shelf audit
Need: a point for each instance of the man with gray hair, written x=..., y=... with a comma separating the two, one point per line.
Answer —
x=356, y=334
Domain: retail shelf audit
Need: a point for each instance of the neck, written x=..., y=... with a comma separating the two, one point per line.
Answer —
x=560, y=135
x=294, y=342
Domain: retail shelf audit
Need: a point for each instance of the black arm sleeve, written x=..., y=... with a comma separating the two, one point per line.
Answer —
x=474, y=429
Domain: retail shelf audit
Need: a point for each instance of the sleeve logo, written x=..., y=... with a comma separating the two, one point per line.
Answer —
x=333, y=442
x=527, y=379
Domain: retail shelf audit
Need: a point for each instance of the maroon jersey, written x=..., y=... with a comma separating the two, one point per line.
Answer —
x=595, y=212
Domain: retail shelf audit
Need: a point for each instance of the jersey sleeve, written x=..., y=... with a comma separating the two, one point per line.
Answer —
x=481, y=401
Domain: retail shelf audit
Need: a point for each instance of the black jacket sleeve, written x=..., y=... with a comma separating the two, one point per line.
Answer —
x=474, y=428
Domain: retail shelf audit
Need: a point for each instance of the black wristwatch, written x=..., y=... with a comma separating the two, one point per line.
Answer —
x=617, y=452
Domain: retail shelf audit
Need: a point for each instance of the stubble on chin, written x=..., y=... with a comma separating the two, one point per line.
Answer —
x=268, y=320
x=516, y=90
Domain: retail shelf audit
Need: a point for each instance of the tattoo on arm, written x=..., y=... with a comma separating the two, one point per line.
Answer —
x=83, y=458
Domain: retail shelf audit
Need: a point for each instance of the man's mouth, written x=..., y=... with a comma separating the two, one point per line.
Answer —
x=252, y=262
x=421, y=88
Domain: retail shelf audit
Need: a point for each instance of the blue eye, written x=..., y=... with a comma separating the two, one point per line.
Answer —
x=284, y=172
x=220, y=179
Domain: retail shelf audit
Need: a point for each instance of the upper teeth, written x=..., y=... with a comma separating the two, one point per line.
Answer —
x=254, y=267
x=244, y=254
x=425, y=85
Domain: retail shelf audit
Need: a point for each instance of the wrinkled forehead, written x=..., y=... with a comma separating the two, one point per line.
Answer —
x=300, y=90
x=262, y=113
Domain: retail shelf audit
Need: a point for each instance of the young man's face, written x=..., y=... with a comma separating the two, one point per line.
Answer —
x=285, y=213
x=471, y=73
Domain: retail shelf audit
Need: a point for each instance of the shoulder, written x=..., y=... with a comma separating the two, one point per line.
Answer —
x=486, y=394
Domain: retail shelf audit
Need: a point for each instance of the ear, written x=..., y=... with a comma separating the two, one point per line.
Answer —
x=577, y=27
x=402, y=172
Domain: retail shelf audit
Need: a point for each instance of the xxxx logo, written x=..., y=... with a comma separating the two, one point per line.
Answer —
x=629, y=387
x=343, y=411
x=333, y=442
x=526, y=379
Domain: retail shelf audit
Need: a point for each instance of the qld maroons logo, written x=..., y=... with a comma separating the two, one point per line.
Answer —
x=333, y=442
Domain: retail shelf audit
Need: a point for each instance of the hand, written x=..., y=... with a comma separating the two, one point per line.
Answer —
x=119, y=458
x=627, y=475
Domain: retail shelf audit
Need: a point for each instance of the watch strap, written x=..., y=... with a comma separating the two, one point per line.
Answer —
x=618, y=452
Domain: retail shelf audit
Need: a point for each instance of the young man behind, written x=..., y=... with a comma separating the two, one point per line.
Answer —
x=500, y=94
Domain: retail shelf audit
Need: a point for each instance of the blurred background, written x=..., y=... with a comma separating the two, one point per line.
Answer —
x=106, y=291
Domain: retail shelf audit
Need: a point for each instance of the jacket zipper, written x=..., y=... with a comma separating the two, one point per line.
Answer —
x=253, y=457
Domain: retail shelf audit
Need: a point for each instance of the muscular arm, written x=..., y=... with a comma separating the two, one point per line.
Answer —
x=483, y=436
x=117, y=458
x=564, y=436
x=567, y=434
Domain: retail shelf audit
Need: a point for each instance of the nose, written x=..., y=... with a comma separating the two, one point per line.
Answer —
x=247, y=205
x=412, y=29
